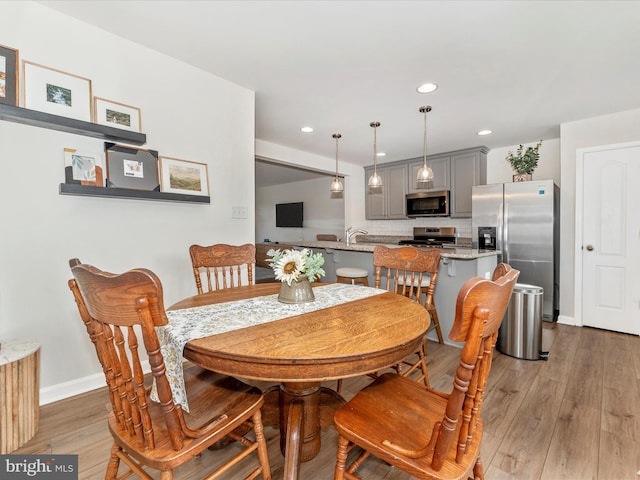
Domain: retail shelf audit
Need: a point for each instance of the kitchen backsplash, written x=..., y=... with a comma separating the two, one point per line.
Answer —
x=405, y=227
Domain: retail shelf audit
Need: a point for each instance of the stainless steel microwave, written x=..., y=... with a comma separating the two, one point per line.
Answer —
x=428, y=204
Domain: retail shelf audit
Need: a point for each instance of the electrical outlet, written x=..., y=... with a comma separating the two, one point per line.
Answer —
x=239, y=212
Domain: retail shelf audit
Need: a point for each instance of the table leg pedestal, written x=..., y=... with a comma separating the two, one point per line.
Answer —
x=306, y=395
x=300, y=410
x=293, y=447
x=289, y=411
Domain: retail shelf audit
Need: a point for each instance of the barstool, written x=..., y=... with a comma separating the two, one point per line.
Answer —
x=352, y=275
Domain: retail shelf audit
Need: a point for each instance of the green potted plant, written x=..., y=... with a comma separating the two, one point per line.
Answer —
x=524, y=161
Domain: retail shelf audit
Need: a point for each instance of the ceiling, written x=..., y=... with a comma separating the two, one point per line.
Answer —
x=519, y=68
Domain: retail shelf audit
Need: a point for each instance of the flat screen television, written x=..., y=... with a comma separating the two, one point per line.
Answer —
x=289, y=214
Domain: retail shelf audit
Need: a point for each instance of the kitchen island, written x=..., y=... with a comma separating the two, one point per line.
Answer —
x=457, y=265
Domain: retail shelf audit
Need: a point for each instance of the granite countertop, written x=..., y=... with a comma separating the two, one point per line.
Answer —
x=457, y=253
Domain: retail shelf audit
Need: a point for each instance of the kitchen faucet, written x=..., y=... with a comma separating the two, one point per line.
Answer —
x=349, y=232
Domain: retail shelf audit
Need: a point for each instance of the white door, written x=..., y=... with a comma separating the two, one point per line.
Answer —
x=611, y=239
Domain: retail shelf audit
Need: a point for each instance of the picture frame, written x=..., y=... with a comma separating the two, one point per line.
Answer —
x=116, y=114
x=8, y=75
x=84, y=168
x=53, y=91
x=184, y=176
x=130, y=167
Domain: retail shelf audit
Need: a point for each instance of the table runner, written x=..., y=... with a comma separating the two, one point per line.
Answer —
x=198, y=322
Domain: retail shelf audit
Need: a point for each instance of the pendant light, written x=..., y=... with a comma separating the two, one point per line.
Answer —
x=425, y=174
x=375, y=180
x=336, y=185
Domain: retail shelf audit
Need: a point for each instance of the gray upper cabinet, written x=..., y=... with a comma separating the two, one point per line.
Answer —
x=454, y=171
x=387, y=202
x=467, y=169
x=441, y=174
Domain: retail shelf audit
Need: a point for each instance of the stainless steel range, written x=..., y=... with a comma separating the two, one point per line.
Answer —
x=432, y=237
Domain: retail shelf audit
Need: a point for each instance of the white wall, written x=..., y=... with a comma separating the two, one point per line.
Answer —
x=323, y=212
x=604, y=130
x=186, y=113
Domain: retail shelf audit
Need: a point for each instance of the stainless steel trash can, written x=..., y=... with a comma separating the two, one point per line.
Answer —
x=520, y=334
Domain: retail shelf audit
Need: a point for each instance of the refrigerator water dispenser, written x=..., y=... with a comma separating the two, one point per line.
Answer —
x=487, y=238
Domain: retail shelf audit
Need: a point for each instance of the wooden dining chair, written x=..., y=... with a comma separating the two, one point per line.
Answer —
x=117, y=310
x=223, y=262
x=411, y=272
x=424, y=432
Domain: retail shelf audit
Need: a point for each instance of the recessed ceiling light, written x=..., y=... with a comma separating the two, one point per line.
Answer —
x=381, y=154
x=427, y=88
x=484, y=132
x=306, y=129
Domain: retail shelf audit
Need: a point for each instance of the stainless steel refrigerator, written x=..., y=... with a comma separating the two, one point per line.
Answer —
x=521, y=219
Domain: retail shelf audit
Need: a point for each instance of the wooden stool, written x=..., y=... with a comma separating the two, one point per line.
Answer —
x=352, y=275
x=19, y=393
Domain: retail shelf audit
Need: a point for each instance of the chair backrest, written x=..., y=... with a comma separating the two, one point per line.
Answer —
x=114, y=308
x=326, y=237
x=409, y=271
x=480, y=308
x=223, y=262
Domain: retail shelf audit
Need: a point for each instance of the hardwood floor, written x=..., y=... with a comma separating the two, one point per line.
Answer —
x=575, y=416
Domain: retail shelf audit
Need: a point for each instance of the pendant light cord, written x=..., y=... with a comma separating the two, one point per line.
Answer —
x=375, y=126
x=337, y=136
x=425, y=138
x=425, y=110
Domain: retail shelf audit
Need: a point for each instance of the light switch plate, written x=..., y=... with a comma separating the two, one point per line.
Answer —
x=239, y=212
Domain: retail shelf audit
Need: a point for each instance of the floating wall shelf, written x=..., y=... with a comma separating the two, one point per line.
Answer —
x=69, y=125
x=87, y=191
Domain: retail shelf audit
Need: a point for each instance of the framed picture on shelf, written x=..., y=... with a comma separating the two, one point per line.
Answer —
x=115, y=114
x=54, y=91
x=183, y=176
x=84, y=168
x=8, y=76
x=129, y=167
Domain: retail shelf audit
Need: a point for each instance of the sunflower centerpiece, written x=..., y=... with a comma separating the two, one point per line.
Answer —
x=296, y=269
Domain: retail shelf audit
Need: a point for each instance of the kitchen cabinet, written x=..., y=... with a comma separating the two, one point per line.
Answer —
x=387, y=202
x=262, y=249
x=456, y=171
x=441, y=173
x=468, y=168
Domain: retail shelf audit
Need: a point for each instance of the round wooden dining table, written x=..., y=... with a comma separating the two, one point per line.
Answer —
x=300, y=352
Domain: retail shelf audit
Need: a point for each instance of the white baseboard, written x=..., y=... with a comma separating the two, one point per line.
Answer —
x=566, y=320
x=71, y=388
x=60, y=391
